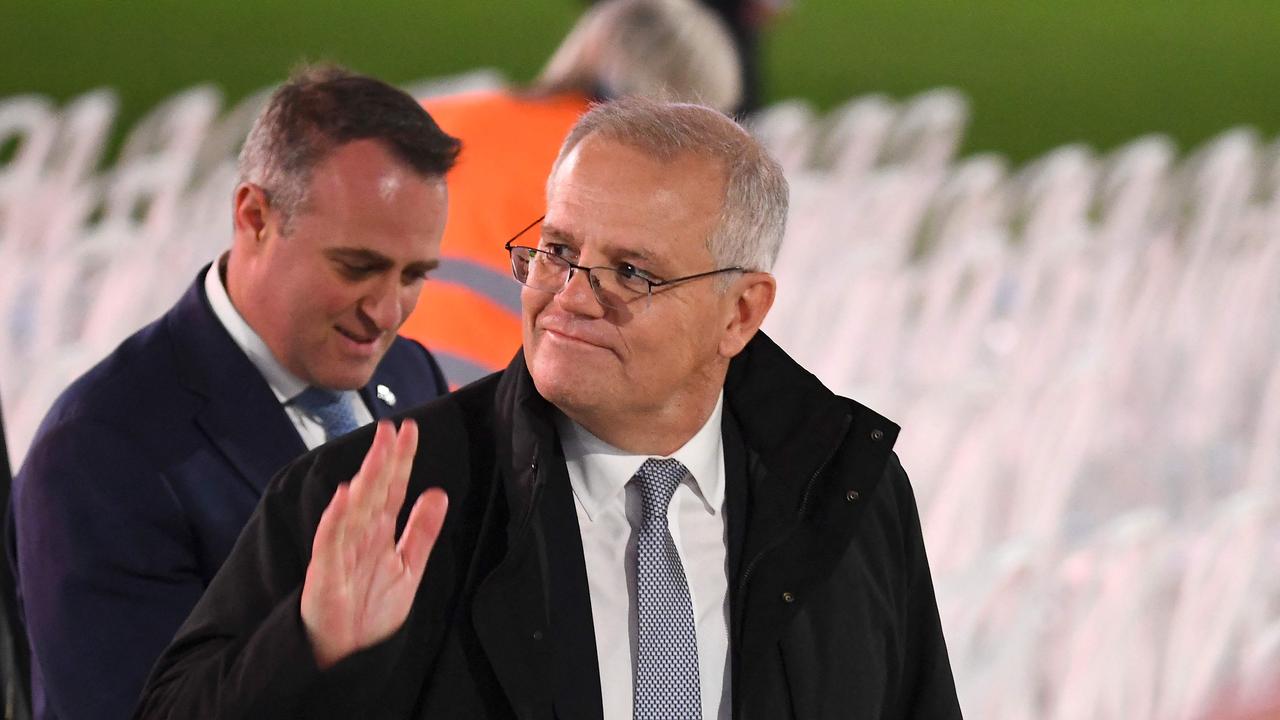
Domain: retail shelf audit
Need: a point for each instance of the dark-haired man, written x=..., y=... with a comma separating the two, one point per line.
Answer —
x=146, y=469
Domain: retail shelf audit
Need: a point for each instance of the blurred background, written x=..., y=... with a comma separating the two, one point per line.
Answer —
x=1043, y=237
x=1037, y=74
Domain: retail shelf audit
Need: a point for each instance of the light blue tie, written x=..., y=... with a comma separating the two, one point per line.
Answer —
x=330, y=408
x=667, y=685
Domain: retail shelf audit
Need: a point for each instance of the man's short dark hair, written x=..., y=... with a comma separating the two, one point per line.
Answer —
x=321, y=108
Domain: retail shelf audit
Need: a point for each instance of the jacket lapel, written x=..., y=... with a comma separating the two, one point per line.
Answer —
x=380, y=396
x=533, y=612
x=241, y=416
x=510, y=607
x=573, y=633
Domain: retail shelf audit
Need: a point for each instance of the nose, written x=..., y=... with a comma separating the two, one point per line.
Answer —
x=578, y=297
x=382, y=305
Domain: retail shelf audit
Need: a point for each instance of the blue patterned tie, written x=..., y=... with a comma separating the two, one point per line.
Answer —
x=666, y=675
x=330, y=408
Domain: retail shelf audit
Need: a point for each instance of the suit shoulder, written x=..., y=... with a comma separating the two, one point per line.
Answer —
x=866, y=416
x=140, y=371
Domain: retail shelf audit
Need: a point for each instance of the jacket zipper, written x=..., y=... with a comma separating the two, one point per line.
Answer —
x=804, y=505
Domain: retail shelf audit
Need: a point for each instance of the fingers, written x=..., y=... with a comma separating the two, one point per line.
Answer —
x=421, y=531
x=401, y=465
x=368, y=487
x=326, y=547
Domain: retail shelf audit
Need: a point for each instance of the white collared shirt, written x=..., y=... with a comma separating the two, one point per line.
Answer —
x=283, y=383
x=609, y=512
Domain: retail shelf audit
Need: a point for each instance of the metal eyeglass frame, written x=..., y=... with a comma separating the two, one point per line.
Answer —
x=649, y=282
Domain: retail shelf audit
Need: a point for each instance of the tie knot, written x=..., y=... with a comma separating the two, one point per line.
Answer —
x=330, y=408
x=658, y=479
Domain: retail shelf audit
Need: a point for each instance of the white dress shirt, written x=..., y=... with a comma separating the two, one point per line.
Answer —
x=283, y=383
x=609, y=512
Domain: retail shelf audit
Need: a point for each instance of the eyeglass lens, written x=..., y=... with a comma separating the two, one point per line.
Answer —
x=544, y=271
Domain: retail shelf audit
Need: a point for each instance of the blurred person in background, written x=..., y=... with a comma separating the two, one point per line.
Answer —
x=664, y=49
x=745, y=20
x=145, y=470
x=653, y=512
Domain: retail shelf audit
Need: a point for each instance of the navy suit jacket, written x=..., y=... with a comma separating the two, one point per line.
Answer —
x=136, y=486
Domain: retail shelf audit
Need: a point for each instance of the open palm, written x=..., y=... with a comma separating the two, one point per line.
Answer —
x=361, y=582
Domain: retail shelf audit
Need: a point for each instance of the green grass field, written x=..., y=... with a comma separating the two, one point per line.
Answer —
x=1038, y=73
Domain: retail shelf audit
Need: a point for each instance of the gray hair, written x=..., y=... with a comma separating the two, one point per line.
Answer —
x=674, y=50
x=753, y=214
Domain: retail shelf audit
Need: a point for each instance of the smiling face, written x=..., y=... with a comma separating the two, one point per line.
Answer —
x=328, y=295
x=611, y=205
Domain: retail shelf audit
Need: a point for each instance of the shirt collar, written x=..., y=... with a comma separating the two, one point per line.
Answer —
x=598, y=471
x=283, y=383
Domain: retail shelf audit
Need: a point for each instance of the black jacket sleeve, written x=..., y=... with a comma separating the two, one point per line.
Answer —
x=928, y=688
x=243, y=652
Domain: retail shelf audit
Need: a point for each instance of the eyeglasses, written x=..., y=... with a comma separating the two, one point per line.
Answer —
x=614, y=287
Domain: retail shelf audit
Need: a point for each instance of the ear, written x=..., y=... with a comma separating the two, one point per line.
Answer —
x=249, y=216
x=752, y=297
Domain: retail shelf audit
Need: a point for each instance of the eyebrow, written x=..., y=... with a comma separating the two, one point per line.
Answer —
x=564, y=236
x=364, y=256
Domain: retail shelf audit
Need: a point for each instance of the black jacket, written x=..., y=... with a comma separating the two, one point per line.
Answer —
x=832, y=606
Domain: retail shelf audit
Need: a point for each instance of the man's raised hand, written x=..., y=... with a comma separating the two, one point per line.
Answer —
x=361, y=582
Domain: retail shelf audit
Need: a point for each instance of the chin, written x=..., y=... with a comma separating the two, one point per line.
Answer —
x=565, y=390
x=346, y=378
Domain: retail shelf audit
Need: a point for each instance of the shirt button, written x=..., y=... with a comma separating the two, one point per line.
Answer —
x=537, y=634
x=788, y=597
x=877, y=435
x=851, y=495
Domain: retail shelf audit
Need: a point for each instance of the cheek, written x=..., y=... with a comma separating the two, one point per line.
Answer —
x=409, y=299
x=532, y=303
x=335, y=299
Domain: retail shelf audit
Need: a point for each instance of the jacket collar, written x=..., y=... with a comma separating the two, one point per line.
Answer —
x=804, y=424
x=241, y=415
x=804, y=421
x=525, y=438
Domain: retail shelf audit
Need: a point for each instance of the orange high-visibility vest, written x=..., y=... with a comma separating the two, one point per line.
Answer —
x=469, y=311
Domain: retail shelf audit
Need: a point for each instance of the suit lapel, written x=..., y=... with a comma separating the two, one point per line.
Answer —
x=380, y=396
x=573, y=634
x=510, y=606
x=241, y=416
x=510, y=615
x=533, y=612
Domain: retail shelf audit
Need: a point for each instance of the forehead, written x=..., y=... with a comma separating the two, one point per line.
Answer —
x=361, y=195
x=615, y=196
x=364, y=171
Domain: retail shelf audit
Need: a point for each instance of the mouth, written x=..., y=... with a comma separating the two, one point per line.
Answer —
x=565, y=337
x=361, y=342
